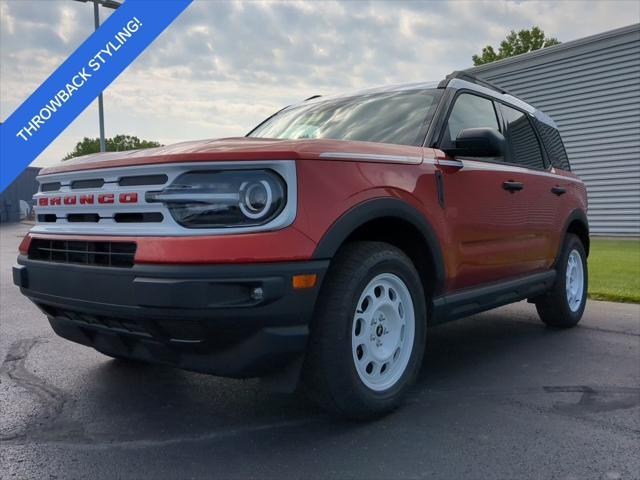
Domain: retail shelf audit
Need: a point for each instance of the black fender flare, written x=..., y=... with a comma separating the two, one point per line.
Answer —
x=375, y=209
x=576, y=215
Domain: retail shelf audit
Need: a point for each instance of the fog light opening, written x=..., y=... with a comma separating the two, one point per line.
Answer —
x=257, y=294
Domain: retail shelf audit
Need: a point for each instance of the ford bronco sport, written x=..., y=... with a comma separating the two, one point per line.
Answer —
x=319, y=248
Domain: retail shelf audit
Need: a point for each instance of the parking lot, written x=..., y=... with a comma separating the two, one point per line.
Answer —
x=499, y=396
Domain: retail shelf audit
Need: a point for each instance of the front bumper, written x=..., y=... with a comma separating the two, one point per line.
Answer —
x=206, y=318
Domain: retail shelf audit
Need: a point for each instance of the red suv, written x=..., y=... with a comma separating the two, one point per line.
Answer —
x=319, y=248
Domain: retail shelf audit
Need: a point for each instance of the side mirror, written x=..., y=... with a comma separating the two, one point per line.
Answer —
x=478, y=142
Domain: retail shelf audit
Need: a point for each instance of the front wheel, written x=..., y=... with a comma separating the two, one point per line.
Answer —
x=563, y=305
x=368, y=334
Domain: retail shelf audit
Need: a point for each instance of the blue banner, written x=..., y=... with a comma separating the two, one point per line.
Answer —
x=79, y=80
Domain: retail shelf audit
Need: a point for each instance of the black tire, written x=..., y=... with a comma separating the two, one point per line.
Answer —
x=330, y=376
x=553, y=307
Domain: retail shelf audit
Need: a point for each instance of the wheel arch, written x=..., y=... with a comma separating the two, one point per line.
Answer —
x=577, y=224
x=396, y=222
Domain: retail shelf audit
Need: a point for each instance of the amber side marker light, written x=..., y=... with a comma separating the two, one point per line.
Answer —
x=304, y=281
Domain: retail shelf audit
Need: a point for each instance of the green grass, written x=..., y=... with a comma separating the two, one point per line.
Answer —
x=614, y=270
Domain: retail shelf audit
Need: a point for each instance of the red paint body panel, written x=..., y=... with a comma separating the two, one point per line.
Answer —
x=497, y=234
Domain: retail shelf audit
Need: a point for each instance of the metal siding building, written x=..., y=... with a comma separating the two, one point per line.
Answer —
x=591, y=88
x=22, y=188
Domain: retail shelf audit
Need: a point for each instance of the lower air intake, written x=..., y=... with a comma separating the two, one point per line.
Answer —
x=105, y=254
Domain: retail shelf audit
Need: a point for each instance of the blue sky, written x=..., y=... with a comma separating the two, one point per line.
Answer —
x=225, y=65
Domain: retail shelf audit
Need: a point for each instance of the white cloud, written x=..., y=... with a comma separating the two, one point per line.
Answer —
x=224, y=66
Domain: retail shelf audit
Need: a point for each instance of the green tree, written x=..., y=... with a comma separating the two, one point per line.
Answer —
x=115, y=144
x=516, y=43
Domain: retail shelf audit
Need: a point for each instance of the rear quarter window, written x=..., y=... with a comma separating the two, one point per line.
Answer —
x=525, y=147
x=554, y=146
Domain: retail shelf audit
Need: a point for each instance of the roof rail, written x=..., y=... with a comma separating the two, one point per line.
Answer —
x=462, y=75
x=312, y=97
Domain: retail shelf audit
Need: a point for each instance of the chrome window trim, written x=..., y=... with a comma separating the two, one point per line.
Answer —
x=470, y=165
x=458, y=84
x=168, y=227
x=373, y=157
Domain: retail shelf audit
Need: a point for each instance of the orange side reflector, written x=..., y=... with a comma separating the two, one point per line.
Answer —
x=304, y=281
x=24, y=245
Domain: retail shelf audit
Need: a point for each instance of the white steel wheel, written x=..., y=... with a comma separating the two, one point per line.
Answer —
x=383, y=332
x=563, y=304
x=368, y=332
x=574, y=280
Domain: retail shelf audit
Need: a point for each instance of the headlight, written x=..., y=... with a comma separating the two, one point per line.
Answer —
x=228, y=198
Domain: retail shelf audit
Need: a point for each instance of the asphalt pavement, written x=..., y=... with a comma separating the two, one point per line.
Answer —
x=499, y=396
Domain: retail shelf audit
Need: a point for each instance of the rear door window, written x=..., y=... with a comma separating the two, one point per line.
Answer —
x=522, y=139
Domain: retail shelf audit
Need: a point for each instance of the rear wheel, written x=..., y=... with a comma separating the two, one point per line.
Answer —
x=563, y=305
x=368, y=334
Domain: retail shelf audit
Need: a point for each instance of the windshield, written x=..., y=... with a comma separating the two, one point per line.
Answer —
x=399, y=117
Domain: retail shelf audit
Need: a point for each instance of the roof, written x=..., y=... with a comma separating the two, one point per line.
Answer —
x=457, y=80
x=396, y=87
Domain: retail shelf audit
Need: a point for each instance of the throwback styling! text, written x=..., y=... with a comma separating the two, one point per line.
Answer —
x=79, y=79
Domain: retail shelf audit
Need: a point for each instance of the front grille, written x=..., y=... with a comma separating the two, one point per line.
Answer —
x=83, y=217
x=91, y=183
x=47, y=218
x=106, y=254
x=138, y=217
x=50, y=187
x=138, y=180
x=113, y=201
x=133, y=217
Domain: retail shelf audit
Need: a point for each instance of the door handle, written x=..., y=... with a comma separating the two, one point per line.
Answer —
x=512, y=186
x=558, y=190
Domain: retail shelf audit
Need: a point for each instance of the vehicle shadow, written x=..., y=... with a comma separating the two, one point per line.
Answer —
x=136, y=400
x=462, y=346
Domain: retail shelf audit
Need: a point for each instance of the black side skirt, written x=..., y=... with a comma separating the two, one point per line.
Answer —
x=478, y=299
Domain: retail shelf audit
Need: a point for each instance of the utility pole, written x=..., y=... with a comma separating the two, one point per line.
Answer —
x=96, y=21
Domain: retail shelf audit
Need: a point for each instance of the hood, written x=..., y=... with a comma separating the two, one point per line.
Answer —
x=231, y=149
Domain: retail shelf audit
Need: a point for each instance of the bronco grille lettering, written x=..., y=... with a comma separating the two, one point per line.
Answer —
x=129, y=197
x=106, y=198
x=87, y=199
